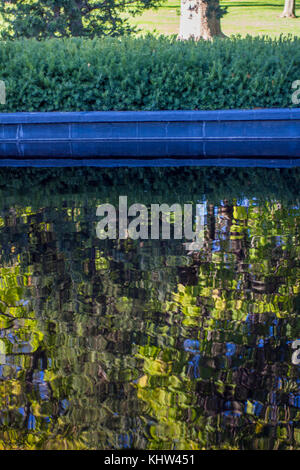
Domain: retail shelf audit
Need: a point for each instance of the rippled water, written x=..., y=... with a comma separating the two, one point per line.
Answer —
x=142, y=344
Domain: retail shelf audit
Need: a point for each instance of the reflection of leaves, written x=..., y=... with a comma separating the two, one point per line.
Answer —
x=106, y=335
x=220, y=302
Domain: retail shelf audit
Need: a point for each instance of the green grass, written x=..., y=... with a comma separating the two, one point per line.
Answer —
x=257, y=18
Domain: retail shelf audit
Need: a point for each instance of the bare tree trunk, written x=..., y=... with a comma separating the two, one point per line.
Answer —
x=211, y=24
x=76, y=24
x=289, y=9
x=199, y=19
x=190, y=20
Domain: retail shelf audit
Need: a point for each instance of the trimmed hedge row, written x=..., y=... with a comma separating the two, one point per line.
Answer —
x=148, y=74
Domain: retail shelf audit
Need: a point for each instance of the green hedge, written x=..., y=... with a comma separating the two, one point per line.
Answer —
x=148, y=74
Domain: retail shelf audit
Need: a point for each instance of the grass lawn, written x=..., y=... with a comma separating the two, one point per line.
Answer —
x=260, y=17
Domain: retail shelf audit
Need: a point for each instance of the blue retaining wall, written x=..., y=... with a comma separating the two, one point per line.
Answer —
x=260, y=133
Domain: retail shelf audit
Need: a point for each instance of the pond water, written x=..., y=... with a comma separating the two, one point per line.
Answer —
x=143, y=344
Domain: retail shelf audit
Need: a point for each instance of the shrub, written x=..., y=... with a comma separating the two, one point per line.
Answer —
x=148, y=73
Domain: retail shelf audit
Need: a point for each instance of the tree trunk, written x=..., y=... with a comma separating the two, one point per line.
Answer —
x=211, y=24
x=190, y=20
x=199, y=20
x=76, y=24
x=289, y=9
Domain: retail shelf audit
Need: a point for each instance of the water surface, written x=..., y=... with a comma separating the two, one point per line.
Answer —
x=142, y=344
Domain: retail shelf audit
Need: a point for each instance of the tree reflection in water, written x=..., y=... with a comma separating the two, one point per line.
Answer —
x=139, y=344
